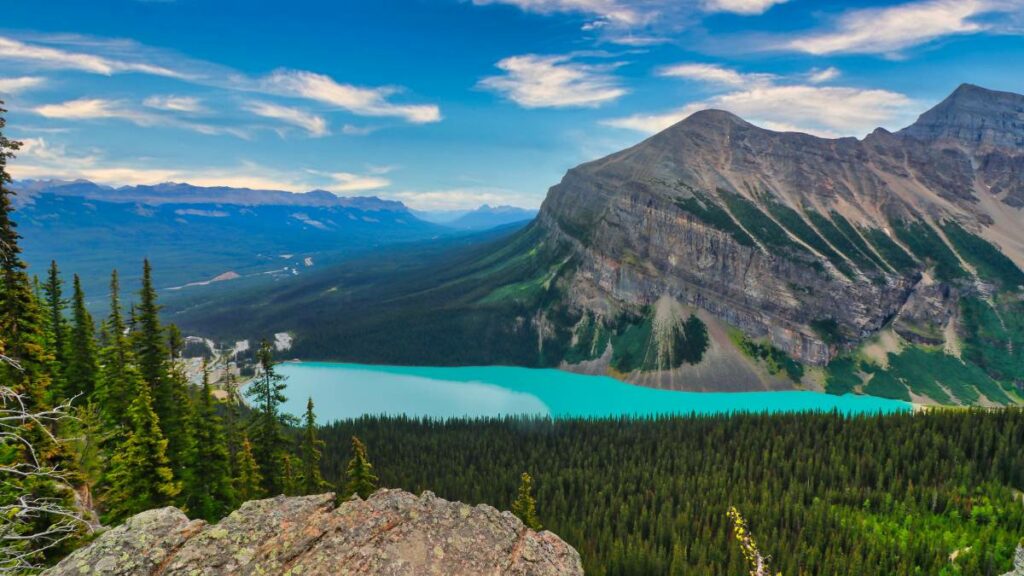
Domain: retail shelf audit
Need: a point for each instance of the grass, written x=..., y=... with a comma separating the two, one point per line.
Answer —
x=990, y=263
x=897, y=257
x=929, y=247
x=714, y=216
x=775, y=360
x=838, y=239
x=792, y=220
x=760, y=225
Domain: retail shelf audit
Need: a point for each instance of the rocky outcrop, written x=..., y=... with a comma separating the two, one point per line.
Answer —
x=1018, y=562
x=779, y=233
x=392, y=533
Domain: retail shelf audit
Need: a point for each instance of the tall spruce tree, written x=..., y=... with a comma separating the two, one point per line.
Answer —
x=57, y=324
x=359, y=477
x=140, y=475
x=525, y=506
x=118, y=376
x=267, y=424
x=211, y=493
x=22, y=334
x=248, y=483
x=312, y=448
x=82, y=369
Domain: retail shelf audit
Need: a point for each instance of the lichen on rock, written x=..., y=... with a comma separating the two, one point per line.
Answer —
x=392, y=533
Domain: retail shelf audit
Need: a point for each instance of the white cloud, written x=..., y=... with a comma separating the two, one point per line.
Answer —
x=891, y=29
x=91, y=109
x=315, y=125
x=820, y=76
x=348, y=182
x=175, y=103
x=714, y=74
x=534, y=81
x=112, y=57
x=827, y=111
x=20, y=84
x=56, y=58
x=85, y=109
x=355, y=99
x=353, y=130
x=745, y=7
x=608, y=10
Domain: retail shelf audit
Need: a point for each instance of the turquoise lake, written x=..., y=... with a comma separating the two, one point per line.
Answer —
x=350, y=390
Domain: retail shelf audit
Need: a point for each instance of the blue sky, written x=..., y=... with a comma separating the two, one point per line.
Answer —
x=454, y=103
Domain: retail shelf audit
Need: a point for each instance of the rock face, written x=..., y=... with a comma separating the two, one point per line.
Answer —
x=390, y=534
x=779, y=233
x=1018, y=562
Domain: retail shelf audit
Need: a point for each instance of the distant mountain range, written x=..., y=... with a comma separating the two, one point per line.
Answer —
x=197, y=235
x=482, y=218
x=717, y=255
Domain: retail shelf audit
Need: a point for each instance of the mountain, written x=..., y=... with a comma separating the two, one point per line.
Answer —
x=391, y=532
x=486, y=217
x=198, y=235
x=717, y=255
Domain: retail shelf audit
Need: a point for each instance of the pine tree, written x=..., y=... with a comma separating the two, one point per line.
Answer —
x=248, y=483
x=525, y=506
x=360, y=479
x=140, y=476
x=22, y=336
x=57, y=324
x=115, y=385
x=211, y=494
x=82, y=369
x=312, y=448
x=267, y=426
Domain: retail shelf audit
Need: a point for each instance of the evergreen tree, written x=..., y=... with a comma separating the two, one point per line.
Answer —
x=80, y=376
x=360, y=479
x=211, y=494
x=248, y=483
x=525, y=506
x=140, y=476
x=57, y=324
x=267, y=425
x=312, y=448
x=116, y=382
x=26, y=367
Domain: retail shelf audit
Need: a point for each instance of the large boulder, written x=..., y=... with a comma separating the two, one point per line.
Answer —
x=391, y=533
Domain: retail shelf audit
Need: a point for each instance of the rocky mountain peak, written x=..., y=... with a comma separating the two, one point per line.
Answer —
x=975, y=117
x=390, y=533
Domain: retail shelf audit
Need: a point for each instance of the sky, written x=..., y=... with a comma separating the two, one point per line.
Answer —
x=449, y=104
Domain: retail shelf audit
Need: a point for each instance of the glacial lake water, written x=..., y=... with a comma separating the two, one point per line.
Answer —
x=349, y=390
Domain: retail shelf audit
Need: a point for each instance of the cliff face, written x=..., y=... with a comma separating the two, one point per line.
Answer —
x=390, y=534
x=812, y=244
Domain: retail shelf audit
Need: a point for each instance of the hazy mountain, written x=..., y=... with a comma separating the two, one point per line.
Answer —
x=196, y=235
x=481, y=218
x=720, y=255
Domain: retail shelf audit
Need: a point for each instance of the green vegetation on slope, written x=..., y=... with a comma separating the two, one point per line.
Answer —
x=777, y=361
x=851, y=233
x=797, y=225
x=993, y=337
x=932, y=373
x=826, y=495
x=764, y=228
x=634, y=345
x=990, y=263
x=714, y=216
x=839, y=239
x=929, y=247
x=897, y=257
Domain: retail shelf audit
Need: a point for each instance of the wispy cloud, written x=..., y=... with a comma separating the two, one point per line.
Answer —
x=776, y=104
x=60, y=59
x=114, y=57
x=821, y=76
x=349, y=182
x=715, y=74
x=40, y=159
x=20, y=84
x=175, y=103
x=314, y=125
x=355, y=99
x=619, y=12
x=88, y=109
x=891, y=29
x=534, y=81
x=745, y=7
